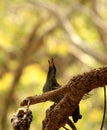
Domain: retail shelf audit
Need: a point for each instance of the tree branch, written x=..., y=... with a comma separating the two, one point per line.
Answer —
x=73, y=92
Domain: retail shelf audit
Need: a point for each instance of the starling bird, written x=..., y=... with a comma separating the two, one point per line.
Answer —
x=51, y=84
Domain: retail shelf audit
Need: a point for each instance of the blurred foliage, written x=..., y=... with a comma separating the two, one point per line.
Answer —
x=17, y=19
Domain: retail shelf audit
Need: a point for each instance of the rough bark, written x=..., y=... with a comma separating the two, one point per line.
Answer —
x=73, y=92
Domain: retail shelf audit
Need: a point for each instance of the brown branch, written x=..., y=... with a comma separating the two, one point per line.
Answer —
x=73, y=92
x=68, y=121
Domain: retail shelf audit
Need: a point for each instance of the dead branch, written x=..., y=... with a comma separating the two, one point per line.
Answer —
x=73, y=92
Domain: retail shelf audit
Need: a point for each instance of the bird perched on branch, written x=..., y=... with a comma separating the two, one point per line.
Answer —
x=52, y=84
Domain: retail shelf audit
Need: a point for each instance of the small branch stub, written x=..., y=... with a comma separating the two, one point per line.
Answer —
x=22, y=119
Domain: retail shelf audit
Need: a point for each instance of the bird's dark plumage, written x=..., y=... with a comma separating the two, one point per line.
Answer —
x=51, y=84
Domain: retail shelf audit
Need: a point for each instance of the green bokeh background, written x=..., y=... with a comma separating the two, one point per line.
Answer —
x=17, y=20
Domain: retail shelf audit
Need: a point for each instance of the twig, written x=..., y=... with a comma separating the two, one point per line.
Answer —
x=81, y=84
x=104, y=113
x=71, y=124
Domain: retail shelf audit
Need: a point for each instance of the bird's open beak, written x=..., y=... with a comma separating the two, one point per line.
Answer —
x=51, y=62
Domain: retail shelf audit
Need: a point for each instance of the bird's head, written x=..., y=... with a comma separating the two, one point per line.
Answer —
x=52, y=69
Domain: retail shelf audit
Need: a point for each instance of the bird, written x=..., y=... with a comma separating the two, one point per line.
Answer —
x=52, y=84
